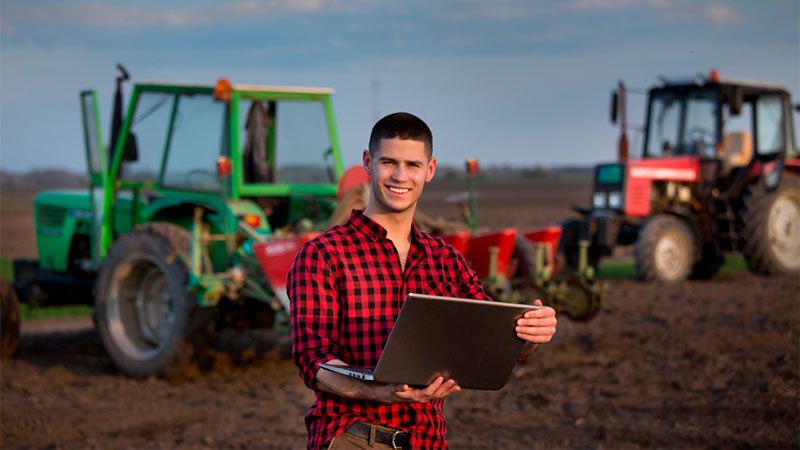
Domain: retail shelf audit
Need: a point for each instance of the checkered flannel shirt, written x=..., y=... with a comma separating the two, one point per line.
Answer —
x=346, y=289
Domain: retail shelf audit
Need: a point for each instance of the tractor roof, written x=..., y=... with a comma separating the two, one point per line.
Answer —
x=750, y=86
x=245, y=88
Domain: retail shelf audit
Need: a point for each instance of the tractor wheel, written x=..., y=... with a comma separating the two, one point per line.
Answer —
x=772, y=228
x=708, y=265
x=578, y=301
x=9, y=319
x=146, y=319
x=665, y=250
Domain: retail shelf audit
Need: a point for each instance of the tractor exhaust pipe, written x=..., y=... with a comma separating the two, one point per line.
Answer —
x=116, y=120
x=618, y=109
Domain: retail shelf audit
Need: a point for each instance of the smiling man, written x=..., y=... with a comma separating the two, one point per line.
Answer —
x=346, y=289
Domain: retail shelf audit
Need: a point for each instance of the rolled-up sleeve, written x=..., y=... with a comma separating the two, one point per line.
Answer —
x=314, y=311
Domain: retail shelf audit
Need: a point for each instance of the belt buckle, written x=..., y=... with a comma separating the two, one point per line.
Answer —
x=394, y=436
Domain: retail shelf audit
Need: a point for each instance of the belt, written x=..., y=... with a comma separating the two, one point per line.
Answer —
x=395, y=438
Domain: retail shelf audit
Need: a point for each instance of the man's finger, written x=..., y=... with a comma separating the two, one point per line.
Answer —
x=433, y=386
x=537, y=321
x=541, y=312
x=536, y=338
x=446, y=388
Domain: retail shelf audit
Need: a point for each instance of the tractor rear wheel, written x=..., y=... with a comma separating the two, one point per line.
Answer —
x=143, y=311
x=665, y=249
x=772, y=228
x=9, y=319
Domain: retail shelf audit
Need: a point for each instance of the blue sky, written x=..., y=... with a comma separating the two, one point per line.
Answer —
x=516, y=82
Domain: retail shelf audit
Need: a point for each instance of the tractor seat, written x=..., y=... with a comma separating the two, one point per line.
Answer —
x=736, y=151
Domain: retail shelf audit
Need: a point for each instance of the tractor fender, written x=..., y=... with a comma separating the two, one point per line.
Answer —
x=180, y=211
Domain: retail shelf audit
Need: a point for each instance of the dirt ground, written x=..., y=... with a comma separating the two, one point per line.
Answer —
x=700, y=364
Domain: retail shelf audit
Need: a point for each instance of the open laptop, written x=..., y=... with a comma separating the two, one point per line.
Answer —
x=471, y=341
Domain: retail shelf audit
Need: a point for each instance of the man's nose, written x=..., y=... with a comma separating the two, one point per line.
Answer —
x=400, y=172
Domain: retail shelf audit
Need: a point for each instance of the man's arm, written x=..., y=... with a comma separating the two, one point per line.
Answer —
x=312, y=292
x=352, y=388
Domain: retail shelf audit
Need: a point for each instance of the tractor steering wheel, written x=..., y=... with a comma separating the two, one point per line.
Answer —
x=702, y=140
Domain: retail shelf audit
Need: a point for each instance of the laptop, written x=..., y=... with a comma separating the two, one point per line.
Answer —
x=471, y=341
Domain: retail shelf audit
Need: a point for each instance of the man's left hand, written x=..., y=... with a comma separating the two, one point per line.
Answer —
x=537, y=326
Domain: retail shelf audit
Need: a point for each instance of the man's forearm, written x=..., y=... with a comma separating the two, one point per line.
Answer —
x=352, y=388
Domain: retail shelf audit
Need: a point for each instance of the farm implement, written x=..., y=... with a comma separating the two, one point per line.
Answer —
x=196, y=208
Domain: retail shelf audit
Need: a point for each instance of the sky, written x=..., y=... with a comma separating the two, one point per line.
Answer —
x=510, y=82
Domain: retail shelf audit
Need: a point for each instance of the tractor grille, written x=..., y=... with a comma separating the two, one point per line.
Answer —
x=51, y=216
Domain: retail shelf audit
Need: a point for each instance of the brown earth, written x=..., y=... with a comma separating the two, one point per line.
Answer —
x=701, y=364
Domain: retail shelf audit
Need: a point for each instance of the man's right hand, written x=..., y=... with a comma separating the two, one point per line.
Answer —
x=403, y=393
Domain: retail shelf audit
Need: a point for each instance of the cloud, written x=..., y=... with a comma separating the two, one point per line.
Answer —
x=677, y=9
x=722, y=13
x=136, y=16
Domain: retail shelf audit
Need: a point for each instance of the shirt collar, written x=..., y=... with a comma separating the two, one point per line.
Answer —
x=362, y=223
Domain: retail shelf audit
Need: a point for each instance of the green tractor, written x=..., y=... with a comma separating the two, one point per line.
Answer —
x=196, y=208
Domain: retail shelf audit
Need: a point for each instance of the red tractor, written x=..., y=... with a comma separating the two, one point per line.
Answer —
x=719, y=174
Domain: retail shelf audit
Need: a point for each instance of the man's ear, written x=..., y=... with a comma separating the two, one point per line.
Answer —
x=431, y=170
x=366, y=160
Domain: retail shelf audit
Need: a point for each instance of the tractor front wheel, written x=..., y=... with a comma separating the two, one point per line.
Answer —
x=665, y=250
x=772, y=228
x=144, y=313
x=9, y=319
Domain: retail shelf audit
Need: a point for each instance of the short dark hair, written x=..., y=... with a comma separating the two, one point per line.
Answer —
x=401, y=125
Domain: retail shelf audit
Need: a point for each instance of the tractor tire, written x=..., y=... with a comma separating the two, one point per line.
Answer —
x=665, y=250
x=9, y=319
x=147, y=321
x=708, y=265
x=772, y=228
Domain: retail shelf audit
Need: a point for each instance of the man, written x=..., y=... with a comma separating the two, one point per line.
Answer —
x=346, y=289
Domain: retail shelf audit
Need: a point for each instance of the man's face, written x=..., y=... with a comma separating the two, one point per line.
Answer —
x=399, y=170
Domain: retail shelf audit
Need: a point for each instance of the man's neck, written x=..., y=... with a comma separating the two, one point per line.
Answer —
x=397, y=225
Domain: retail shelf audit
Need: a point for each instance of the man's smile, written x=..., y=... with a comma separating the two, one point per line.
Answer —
x=398, y=190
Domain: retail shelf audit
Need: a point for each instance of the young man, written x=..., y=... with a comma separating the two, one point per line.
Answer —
x=346, y=289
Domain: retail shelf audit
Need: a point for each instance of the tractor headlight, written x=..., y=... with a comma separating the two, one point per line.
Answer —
x=599, y=200
x=615, y=200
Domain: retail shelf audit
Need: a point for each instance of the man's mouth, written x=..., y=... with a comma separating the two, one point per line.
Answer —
x=398, y=190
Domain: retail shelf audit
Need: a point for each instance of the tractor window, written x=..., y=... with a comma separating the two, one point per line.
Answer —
x=769, y=124
x=297, y=152
x=198, y=138
x=149, y=127
x=665, y=114
x=700, y=136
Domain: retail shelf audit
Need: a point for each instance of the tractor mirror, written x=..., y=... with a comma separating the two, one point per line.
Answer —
x=614, y=103
x=131, y=152
x=736, y=100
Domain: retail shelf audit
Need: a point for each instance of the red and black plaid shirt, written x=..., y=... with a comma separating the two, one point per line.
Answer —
x=346, y=289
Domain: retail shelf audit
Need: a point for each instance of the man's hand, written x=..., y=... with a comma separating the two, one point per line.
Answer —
x=440, y=388
x=537, y=326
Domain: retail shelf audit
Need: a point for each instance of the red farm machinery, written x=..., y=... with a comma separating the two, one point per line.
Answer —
x=719, y=175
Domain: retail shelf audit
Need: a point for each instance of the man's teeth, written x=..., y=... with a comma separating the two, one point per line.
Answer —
x=398, y=190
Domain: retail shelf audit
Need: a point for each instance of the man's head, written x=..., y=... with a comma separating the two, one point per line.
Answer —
x=399, y=162
x=401, y=125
